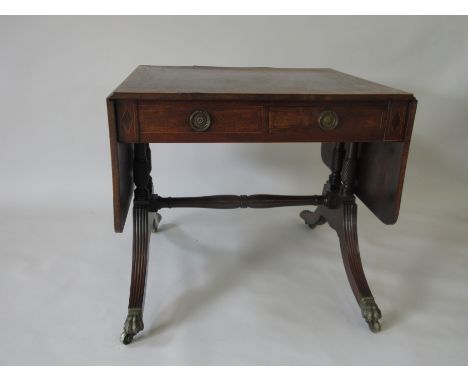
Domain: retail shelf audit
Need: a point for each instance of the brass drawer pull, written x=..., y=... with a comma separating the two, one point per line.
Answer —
x=328, y=120
x=200, y=120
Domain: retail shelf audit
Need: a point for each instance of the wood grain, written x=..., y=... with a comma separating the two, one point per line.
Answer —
x=127, y=120
x=381, y=171
x=260, y=84
x=161, y=121
x=357, y=122
x=122, y=174
x=154, y=104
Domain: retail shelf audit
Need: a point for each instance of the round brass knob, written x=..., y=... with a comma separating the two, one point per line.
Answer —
x=328, y=120
x=200, y=120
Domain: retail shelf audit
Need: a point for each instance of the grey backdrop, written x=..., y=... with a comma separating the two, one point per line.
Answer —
x=224, y=287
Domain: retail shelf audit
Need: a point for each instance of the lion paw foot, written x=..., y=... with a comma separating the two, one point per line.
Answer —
x=133, y=325
x=371, y=313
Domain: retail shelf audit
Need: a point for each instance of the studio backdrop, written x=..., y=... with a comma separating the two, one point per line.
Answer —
x=244, y=287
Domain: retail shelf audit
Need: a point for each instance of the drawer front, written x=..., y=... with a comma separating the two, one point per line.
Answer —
x=199, y=122
x=205, y=121
x=329, y=121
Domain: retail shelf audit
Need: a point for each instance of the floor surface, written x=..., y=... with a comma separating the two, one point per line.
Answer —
x=238, y=287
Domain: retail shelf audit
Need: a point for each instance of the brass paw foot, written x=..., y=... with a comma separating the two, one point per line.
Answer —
x=133, y=325
x=312, y=219
x=371, y=313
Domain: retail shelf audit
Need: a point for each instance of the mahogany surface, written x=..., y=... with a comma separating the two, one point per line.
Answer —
x=260, y=84
x=381, y=171
x=154, y=104
x=122, y=176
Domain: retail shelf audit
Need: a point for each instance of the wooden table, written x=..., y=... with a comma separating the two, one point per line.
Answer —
x=365, y=129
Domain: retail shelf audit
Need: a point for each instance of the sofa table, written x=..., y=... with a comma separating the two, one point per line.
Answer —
x=365, y=129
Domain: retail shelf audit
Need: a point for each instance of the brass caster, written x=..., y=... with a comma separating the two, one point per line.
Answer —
x=374, y=326
x=133, y=325
x=126, y=338
x=371, y=313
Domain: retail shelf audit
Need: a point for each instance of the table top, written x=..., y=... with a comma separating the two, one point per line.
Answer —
x=160, y=104
x=202, y=82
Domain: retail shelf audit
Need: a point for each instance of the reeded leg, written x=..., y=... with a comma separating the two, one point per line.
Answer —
x=343, y=219
x=143, y=222
x=141, y=236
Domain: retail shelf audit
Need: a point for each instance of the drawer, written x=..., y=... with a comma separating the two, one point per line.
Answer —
x=199, y=122
x=210, y=121
x=329, y=121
